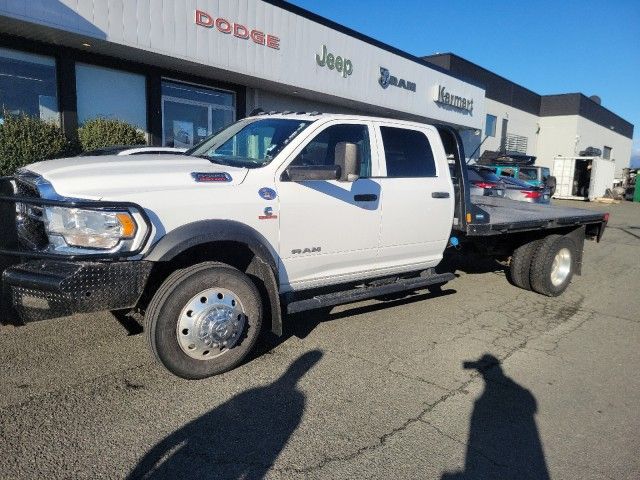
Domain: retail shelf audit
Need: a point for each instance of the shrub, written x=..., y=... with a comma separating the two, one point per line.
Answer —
x=25, y=139
x=104, y=132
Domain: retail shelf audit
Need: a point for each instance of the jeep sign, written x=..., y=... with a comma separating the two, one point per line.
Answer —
x=341, y=65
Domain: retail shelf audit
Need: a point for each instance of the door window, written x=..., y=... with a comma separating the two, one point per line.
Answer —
x=321, y=150
x=408, y=153
x=190, y=113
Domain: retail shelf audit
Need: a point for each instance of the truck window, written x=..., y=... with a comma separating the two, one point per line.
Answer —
x=321, y=150
x=408, y=153
x=545, y=173
x=507, y=172
x=527, y=174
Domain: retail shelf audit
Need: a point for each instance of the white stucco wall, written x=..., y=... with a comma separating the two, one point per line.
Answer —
x=520, y=123
x=567, y=135
x=275, y=101
x=169, y=28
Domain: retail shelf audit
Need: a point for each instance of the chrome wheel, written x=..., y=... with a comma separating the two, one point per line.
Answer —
x=211, y=324
x=561, y=267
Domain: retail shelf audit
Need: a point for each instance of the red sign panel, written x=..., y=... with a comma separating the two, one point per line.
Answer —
x=237, y=30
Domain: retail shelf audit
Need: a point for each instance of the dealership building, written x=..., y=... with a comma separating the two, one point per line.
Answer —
x=180, y=70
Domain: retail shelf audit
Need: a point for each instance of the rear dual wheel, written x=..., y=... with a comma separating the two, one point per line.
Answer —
x=545, y=266
x=520, y=266
x=553, y=265
x=204, y=320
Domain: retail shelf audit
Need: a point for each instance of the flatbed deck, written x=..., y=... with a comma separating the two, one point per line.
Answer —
x=501, y=215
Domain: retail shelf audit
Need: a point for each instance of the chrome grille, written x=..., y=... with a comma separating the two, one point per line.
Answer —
x=30, y=218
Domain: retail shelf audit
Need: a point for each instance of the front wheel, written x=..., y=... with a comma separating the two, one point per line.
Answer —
x=553, y=265
x=204, y=320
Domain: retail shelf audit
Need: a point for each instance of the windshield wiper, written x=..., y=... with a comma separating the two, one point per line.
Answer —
x=211, y=159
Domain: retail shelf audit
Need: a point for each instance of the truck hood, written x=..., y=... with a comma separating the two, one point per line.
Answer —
x=105, y=176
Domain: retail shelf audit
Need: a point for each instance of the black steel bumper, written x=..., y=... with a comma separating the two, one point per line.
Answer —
x=43, y=289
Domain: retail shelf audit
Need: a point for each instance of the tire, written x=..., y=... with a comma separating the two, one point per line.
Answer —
x=552, y=248
x=520, y=265
x=210, y=299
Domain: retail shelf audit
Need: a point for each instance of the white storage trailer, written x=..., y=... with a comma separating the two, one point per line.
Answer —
x=582, y=178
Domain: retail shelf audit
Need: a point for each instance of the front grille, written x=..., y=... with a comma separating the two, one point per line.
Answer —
x=30, y=218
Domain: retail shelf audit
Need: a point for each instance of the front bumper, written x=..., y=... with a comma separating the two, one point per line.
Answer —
x=43, y=289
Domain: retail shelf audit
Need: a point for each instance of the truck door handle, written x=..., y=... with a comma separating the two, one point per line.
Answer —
x=365, y=197
x=440, y=194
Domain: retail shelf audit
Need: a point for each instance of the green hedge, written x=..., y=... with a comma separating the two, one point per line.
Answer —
x=103, y=132
x=25, y=139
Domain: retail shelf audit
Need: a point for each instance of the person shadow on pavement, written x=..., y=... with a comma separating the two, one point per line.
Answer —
x=241, y=438
x=504, y=442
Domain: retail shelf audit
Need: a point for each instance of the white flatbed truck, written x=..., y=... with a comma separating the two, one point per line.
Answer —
x=278, y=213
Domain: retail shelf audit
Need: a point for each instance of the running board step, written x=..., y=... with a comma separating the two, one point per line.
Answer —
x=363, y=293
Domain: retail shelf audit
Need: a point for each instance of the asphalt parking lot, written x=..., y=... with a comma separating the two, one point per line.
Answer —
x=550, y=388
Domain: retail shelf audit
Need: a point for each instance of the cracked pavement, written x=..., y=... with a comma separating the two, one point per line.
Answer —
x=370, y=390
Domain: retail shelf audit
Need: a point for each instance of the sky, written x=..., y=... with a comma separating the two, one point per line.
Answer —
x=560, y=46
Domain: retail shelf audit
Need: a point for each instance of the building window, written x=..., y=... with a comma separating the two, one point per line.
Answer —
x=28, y=85
x=108, y=93
x=191, y=113
x=606, y=153
x=490, y=126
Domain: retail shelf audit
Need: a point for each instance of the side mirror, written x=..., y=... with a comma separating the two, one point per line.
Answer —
x=300, y=173
x=347, y=157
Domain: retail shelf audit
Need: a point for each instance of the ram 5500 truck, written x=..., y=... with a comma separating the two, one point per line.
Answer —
x=277, y=213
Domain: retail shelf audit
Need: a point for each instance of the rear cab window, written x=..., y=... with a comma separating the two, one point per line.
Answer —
x=408, y=153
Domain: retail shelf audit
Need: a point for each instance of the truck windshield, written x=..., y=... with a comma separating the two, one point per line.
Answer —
x=249, y=143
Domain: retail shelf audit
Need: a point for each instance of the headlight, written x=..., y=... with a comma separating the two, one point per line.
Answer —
x=88, y=228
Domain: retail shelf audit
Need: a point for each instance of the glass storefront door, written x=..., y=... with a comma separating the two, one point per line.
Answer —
x=192, y=113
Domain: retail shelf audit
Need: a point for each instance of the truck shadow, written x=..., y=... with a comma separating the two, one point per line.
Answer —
x=300, y=325
x=242, y=438
x=470, y=263
x=504, y=441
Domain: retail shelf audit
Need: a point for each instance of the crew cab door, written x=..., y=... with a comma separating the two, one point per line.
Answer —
x=418, y=196
x=329, y=229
